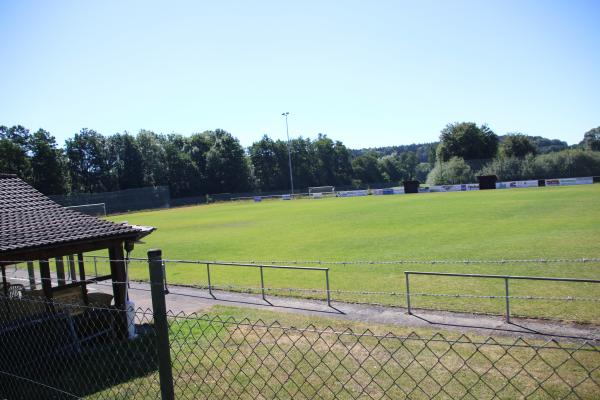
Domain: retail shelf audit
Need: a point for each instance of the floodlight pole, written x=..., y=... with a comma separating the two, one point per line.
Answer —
x=287, y=131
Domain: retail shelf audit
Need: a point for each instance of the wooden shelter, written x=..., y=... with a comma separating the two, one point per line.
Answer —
x=35, y=228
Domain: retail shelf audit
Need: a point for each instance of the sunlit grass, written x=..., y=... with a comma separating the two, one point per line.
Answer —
x=503, y=224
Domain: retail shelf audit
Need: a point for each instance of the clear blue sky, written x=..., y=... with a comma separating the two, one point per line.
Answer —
x=367, y=73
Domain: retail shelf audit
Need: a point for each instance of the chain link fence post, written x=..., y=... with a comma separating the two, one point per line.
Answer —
x=161, y=325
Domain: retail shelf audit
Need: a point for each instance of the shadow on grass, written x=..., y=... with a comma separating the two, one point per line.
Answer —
x=46, y=358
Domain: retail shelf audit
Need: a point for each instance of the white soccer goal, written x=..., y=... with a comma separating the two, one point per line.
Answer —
x=95, y=210
x=320, y=191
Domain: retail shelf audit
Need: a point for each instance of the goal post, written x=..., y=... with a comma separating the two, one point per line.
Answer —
x=320, y=191
x=95, y=210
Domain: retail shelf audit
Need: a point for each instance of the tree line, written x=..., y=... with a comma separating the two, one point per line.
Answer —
x=466, y=150
x=215, y=162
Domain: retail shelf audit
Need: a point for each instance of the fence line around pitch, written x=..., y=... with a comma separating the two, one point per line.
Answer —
x=505, y=278
x=211, y=356
x=371, y=297
x=257, y=289
x=261, y=267
x=377, y=262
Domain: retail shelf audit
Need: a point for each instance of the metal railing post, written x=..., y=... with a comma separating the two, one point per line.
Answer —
x=407, y=293
x=161, y=325
x=209, y=284
x=262, y=283
x=506, y=293
x=164, y=270
x=95, y=267
x=327, y=287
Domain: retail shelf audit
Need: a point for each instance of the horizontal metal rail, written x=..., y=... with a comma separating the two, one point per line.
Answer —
x=506, y=279
x=380, y=262
x=262, y=277
x=533, y=278
x=232, y=264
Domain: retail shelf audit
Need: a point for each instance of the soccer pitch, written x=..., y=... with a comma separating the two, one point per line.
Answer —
x=550, y=223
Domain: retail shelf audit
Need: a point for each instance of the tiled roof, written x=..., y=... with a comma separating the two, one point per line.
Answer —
x=30, y=220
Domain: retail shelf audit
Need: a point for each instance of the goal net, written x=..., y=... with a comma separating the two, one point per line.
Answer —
x=320, y=191
x=95, y=210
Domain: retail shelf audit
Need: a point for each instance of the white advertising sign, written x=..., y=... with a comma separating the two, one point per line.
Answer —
x=516, y=184
x=353, y=193
x=570, y=181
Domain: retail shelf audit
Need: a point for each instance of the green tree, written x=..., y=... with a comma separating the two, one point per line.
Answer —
x=342, y=164
x=454, y=171
x=48, y=164
x=226, y=167
x=303, y=161
x=366, y=168
x=267, y=158
x=517, y=145
x=324, y=167
x=181, y=171
x=154, y=162
x=468, y=141
x=128, y=166
x=511, y=168
x=14, y=157
x=422, y=170
x=89, y=163
x=567, y=163
x=200, y=144
x=591, y=139
x=391, y=168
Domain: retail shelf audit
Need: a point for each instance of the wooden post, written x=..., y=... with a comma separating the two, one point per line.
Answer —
x=117, y=270
x=81, y=267
x=161, y=324
x=60, y=270
x=31, y=273
x=46, y=279
x=4, y=281
x=81, y=277
x=72, y=273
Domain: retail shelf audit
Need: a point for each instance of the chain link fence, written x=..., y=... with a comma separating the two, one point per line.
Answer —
x=75, y=351
x=121, y=201
x=65, y=350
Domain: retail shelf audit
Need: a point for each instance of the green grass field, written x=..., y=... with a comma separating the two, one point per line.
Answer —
x=214, y=359
x=504, y=224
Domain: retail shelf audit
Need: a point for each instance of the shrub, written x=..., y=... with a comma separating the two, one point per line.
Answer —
x=455, y=171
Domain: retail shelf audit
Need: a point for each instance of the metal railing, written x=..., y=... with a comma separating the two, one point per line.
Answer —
x=74, y=351
x=506, y=279
x=261, y=267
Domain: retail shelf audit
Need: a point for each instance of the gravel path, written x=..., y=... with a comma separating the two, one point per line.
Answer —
x=189, y=300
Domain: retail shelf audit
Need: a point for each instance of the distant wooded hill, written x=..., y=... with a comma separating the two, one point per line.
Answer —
x=425, y=151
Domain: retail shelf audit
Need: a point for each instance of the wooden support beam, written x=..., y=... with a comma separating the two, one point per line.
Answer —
x=117, y=270
x=60, y=270
x=46, y=279
x=81, y=263
x=31, y=273
x=4, y=281
x=72, y=273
